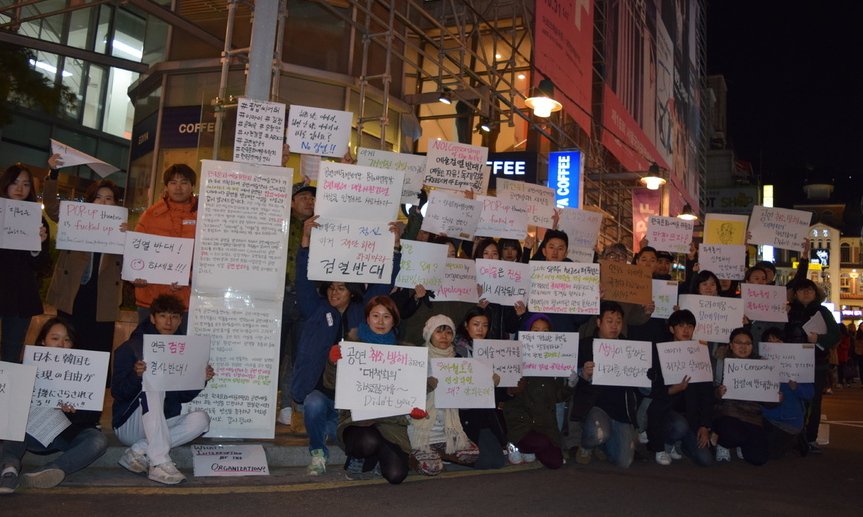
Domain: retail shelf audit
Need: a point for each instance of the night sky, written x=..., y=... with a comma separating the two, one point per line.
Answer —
x=795, y=89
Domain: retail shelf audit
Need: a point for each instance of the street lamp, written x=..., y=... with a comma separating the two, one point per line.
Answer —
x=653, y=180
x=542, y=102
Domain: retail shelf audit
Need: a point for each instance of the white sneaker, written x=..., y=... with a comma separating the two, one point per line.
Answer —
x=740, y=453
x=528, y=457
x=285, y=415
x=663, y=458
x=674, y=452
x=642, y=437
x=722, y=454
x=134, y=462
x=166, y=473
x=513, y=454
x=47, y=478
x=318, y=465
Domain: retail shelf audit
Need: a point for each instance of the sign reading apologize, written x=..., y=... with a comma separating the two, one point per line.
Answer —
x=764, y=302
x=715, y=317
x=229, y=460
x=413, y=167
x=258, y=135
x=620, y=362
x=16, y=388
x=422, y=263
x=175, y=363
x=726, y=261
x=684, y=358
x=20, y=222
x=344, y=250
x=669, y=233
x=91, y=227
x=366, y=193
x=548, y=354
x=458, y=283
x=157, y=259
x=319, y=131
x=564, y=287
x=796, y=360
x=779, y=227
x=452, y=215
x=536, y=199
x=623, y=282
x=68, y=376
x=504, y=357
x=751, y=379
x=502, y=281
x=455, y=166
x=462, y=383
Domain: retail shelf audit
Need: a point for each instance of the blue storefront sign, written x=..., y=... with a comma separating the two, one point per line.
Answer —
x=564, y=177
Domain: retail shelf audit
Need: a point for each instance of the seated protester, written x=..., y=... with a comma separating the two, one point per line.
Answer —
x=681, y=412
x=149, y=422
x=378, y=446
x=785, y=422
x=436, y=435
x=81, y=443
x=608, y=412
x=739, y=423
x=530, y=413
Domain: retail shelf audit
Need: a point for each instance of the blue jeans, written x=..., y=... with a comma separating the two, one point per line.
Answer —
x=13, y=332
x=85, y=448
x=617, y=438
x=321, y=419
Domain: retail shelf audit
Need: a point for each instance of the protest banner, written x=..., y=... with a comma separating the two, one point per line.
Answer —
x=664, y=298
x=20, y=222
x=381, y=377
x=413, y=166
x=501, y=219
x=725, y=229
x=503, y=356
x=628, y=283
x=91, y=227
x=779, y=227
x=68, y=376
x=564, y=287
x=764, y=302
x=796, y=360
x=679, y=359
x=422, y=263
x=462, y=383
x=157, y=259
x=229, y=460
x=451, y=214
x=581, y=227
x=242, y=231
x=366, y=193
x=175, y=363
x=458, y=283
x=70, y=157
x=502, y=281
x=548, y=354
x=670, y=234
x=715, y=316
x=620, y=362
x=538, y=200
x=319, y=131
x=16, y=390
x=259, y=133
x=756, y=380
x=456, y=166
x=344, y=250
x=45, y=424
x=726, y=261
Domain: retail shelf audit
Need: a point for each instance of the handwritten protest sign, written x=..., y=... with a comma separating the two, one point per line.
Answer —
x=623, y=282
x=452, y=214
x=764, y=302
x=157, y=259
x=310, y=167
x=258, y=136
x=715, y=316
x=242, y=230
x=779, y=227
x=725, y=229
x=580, y=254
x=796, y=360
x=581, y=227
x=175, y=363
x=91, y=227
x=70, y=157
x=664, y=298
x=462, y=383
x=344, y=250
x=684, y=358
x=16, y=389
x=726, y=261
x=386, y=378
x=366, y=193
x=458, y=283
x=620, y=362
x=413, y=166
x=319, y=131
x=536, y=199
x=46, y=423
x=751, y=379
x=68, y=376
x=422, y=263
x=669, y=233
x=502, y=281
x=548, y=354
x=501, y=218
x=504, y=357
x=455, y=166
x=564, y=287
x=20, y=222
x=229, y=460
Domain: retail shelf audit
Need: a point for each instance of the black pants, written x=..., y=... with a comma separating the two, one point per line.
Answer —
x=751, y=438
x=368, y=444
x=814, y=407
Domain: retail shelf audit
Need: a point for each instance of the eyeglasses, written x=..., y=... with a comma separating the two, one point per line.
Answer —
x=744, y=343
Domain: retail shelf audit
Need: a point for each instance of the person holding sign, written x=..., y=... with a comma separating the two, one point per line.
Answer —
x=77, y=435
x=149, y=422
x=175, y=215
x=19, y=282
x=437, y=435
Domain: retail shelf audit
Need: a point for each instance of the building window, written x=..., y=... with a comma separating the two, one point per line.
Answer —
x=845, y=253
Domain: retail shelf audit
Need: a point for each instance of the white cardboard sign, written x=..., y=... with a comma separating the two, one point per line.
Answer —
x=229, y=460
x=462, y=383
x=258, y=135
x=91, y=227
x=16, y=389
x=726, y=261
x=779, y=227
x=366, y=193
x=620, y=362
x=319, y=131
x=751, y=379
x=157, y=259
x=796, y=360
x=548, y=354
x=564, y=287
x=451, y=214
x=413, y=166
x=670, y=234
x=501, y=218
x=681, y=358
x=715, y=316
x=764, y=302
x=538, y=200
x=68, y=376
x=456, y=166
x=345, y=250
x=504, y=357
x=458, y=283
x=19, y=225
x=175, y=363
x=422, y=263
x=664, y=298
x=502, y=281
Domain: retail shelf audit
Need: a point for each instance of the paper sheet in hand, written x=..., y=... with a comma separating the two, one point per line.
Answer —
x=46, y=423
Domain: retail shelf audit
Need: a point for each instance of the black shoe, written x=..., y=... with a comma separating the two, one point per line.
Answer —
x=814, y=449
